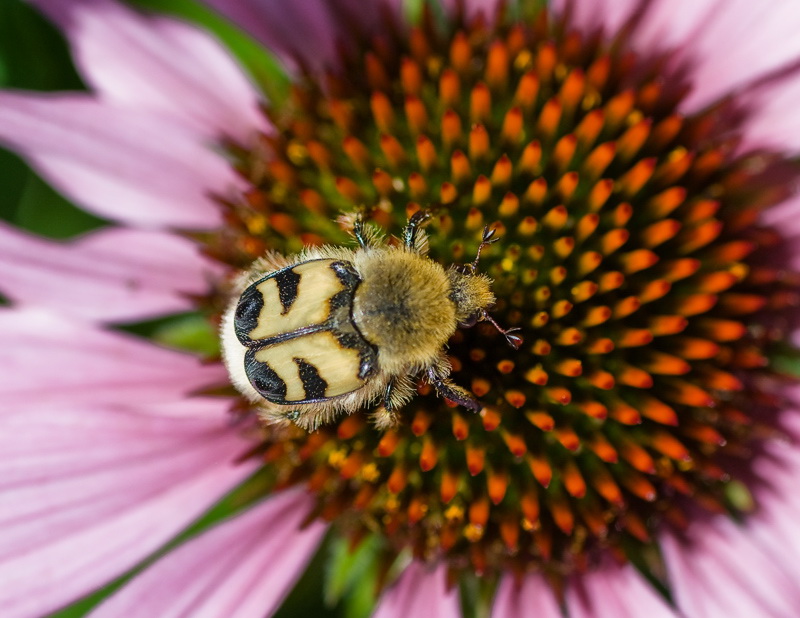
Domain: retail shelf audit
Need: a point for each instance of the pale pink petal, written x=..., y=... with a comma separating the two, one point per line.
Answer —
x=774, y=526
x=242, y=568
x=725, y=44
x=719, y=567
x=113, y=275
x=307, y=31
x=421, y=590
x=607, y=16
x=531, y=597
x=158, y=64
x=786, y=218
x=137, y=168
x=721, y=570
x=774, y=122
x=87, y=492
x=49, y=358
x=614, y=591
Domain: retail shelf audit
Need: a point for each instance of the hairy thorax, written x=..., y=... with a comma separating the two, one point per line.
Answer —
x=402, y=306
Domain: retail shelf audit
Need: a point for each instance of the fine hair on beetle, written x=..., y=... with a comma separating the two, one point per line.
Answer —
x=334, y=329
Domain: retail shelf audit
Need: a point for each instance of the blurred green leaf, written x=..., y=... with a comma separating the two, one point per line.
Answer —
x=33, y=53
x=526, y=9
x=784, y=358
x=13, y=174
x=412, y=10
x=191, y=332
x=477, y=594
x=352, y=576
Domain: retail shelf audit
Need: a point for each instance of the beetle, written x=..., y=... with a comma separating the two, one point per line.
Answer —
x=334, y=329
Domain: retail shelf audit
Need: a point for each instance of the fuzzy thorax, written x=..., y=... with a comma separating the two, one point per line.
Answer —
x=402, y=307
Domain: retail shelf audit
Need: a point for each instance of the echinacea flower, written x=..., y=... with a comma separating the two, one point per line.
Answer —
x=636, y=456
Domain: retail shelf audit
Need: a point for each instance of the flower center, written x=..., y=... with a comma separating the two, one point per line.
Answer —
x=629, y=255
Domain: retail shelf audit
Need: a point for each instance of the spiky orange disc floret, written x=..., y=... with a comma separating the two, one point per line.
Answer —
x=630, y=258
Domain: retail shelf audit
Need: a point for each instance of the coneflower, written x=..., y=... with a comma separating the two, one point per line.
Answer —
x=646, y=253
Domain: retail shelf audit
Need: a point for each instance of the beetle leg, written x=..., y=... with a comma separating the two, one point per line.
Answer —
x=454, y=393
x=387, y=396
x=358, y=232
x=399, y=391
x=417, y=220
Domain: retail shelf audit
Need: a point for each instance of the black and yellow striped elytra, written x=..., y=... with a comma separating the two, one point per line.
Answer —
x=302, y=345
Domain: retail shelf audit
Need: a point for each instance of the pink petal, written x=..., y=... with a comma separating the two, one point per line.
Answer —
x=159, y=64
x=588, y=17
x=242, y=568
x=723, y=568
x=727, y=44
x=614, y=591
x=86, y=492
x=113, y=275
x=307, y=31
x=722, y=571
x=49, y=358
x=420, y=591
x=775, y=120
x=533, y=597
x=137, y=168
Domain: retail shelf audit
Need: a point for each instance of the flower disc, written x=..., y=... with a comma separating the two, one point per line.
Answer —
x=630, y=256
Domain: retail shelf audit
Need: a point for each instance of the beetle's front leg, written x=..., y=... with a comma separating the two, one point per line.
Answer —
x=417, y=220
x=358, y=231
x=438, y=377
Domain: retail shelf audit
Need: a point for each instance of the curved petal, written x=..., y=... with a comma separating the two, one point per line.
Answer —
x=420, y=591
x=606, y=15
x=719, y=567
x=615, y=591
x=308, y=31
x=531, y=597
x=726, y=44
x=720, y=570
x=242, y=568
x=774, y=121
x=136, y=168
x=50, y=359
x=158, y=64
x=87, y=492
x=113, y=275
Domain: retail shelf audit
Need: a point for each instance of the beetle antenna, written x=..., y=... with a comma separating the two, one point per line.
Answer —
x=486, y=239
x=513, y=340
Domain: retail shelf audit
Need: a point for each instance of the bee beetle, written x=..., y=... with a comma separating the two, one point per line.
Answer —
x=334, y=329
